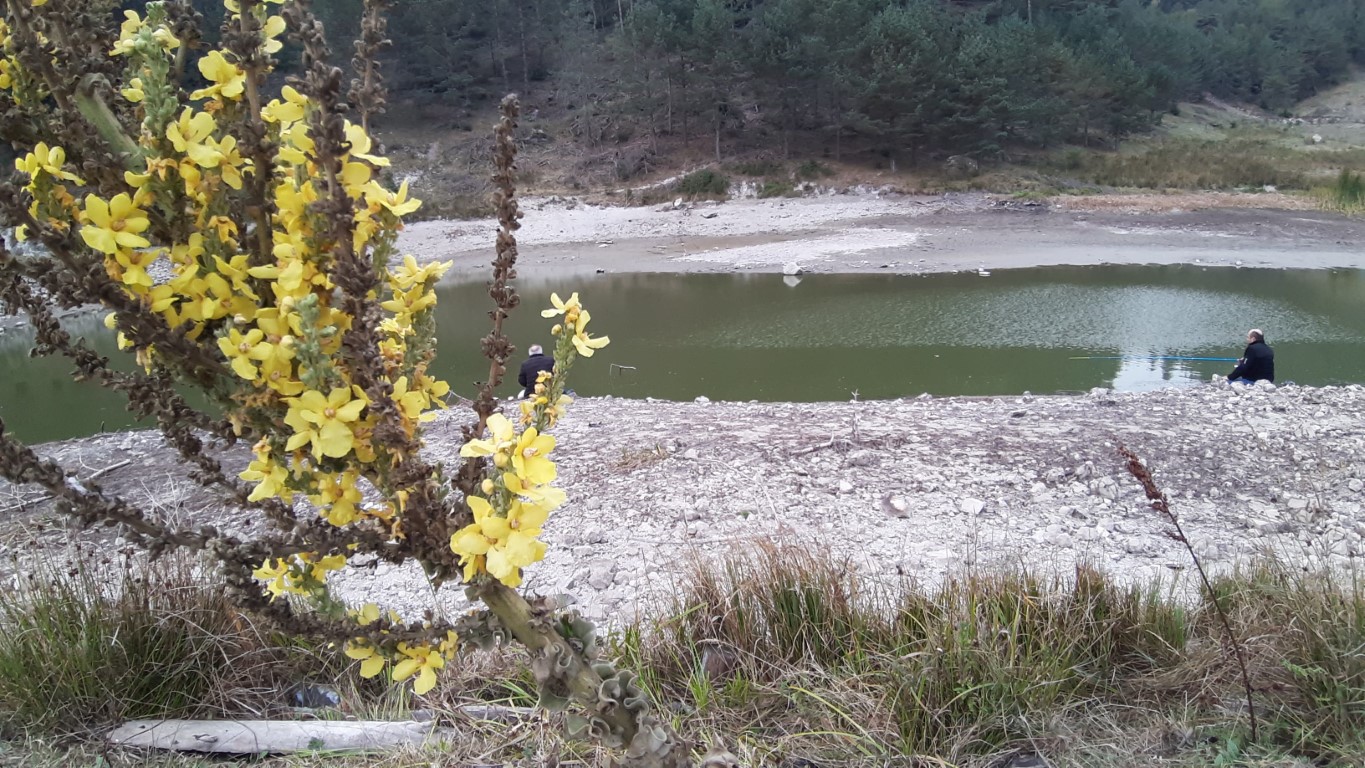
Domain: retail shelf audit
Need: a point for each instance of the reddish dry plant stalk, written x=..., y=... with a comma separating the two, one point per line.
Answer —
x=1161, y=504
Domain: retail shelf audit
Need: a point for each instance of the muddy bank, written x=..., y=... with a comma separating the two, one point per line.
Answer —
x=904, y=488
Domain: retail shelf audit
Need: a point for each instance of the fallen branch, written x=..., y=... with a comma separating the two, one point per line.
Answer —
x=25, y=504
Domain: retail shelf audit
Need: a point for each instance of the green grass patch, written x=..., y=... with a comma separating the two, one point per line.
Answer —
x=1247, y=162
x=81, y=649
x=1347, y=195
x=759, y=168
x=783, y=640
x=810, y=170
x=779, y=188
x=705, y=184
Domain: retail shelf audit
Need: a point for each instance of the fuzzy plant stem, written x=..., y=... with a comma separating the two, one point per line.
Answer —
x=519, y=619
x=102, y=119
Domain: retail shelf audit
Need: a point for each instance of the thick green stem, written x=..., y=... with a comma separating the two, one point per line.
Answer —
x=517, y=617
x=98, y=114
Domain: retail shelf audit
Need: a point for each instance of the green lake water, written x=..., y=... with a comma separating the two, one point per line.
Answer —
x=826, y=337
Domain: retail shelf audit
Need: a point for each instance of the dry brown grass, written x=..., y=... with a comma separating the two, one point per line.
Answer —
x=1147, y=202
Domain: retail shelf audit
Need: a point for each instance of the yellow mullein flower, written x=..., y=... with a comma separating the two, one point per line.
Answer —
x=560, y=307
x=422, y=661
x=192, y=134
x=411, y=274
x=318, y=571
x=235, y=271
x=354, y=177
x=45, y=159
x=528, y=457
x=240, y=348
x=411, y=301
x=291, y=110
x=271, y=29
x=279, y=325
x=473, y=542
x=134, y=92
x=582, y=341
x=113, y=225
x=502, y=438
x=546, y=496
x=397, y=203
x=269, y=476
x=6, y=75
x=367, y=615
x=339, y=494
x=295, y=144
x=128, y=32
x=435, y=388
x=371, y=662
x=231, y=162
x=504, y=550
x=323, y=421
x=361, y=145
x=411, y=403
x=228, y=79
x=130, y=267
x=276, y=575
x=527, y=518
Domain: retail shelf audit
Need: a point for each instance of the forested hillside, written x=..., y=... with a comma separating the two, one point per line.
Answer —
x=907, y=79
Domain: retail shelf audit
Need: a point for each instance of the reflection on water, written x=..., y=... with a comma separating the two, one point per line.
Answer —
x=825, y=337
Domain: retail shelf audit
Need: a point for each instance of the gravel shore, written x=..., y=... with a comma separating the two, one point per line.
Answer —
x=904, y=488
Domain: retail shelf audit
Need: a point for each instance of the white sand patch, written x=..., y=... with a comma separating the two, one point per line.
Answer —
x=547, y=222
x=810, y=249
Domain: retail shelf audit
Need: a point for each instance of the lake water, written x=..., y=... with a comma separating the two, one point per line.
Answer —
x=827, y=337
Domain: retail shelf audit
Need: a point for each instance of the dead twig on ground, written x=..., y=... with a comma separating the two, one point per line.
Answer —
x=26, y=503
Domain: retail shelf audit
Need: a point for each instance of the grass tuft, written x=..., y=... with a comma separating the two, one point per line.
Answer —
x=786, y=640
x=705, y=184
x=84, y=648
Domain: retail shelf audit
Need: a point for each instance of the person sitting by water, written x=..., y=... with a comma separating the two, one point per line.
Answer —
x=1257, y=363
x=535, y=362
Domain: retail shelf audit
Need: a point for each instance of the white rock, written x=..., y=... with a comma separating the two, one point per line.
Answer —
x=971, y=507
x=601, y=577
x=792, y=269
x=1090, y=533
x=896, y=506
x=845, y=486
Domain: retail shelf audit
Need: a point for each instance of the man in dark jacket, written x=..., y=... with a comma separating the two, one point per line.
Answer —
x=1258, y=361
x=536, y=362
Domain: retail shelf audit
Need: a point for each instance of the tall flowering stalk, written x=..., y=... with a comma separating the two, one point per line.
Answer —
x=244, y=242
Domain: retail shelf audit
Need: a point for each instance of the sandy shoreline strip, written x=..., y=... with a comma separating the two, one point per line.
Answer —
x=901, y=235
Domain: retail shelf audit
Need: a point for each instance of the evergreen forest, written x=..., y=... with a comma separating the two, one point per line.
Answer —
x=908, y=79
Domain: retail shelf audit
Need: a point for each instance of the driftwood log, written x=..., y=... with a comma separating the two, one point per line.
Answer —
x=245, y=737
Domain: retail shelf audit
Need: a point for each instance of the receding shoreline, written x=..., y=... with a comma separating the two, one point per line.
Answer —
x=898, y=234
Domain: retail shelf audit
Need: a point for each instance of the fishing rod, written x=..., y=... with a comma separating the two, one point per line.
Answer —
x=1156, y=357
